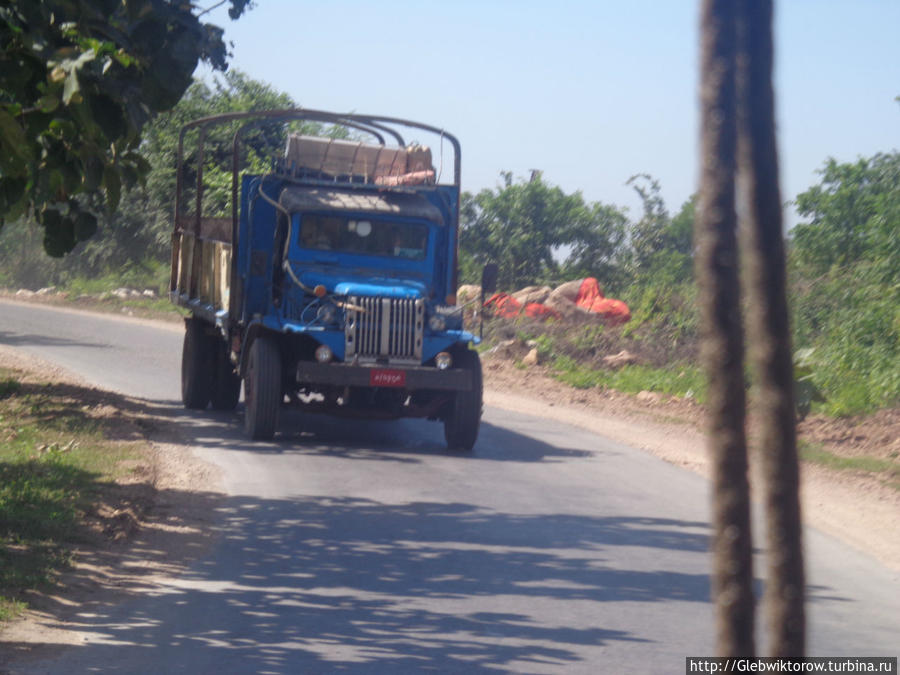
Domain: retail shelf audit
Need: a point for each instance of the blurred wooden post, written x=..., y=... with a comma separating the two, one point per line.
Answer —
x=769, y=330
x=738, y=141
x=722, y=334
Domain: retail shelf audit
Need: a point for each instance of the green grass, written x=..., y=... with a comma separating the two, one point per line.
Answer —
x=151, y=308
x=886, y=469
x=55, y=463
x=680, y=380
x=151, y=275
x=816, y=454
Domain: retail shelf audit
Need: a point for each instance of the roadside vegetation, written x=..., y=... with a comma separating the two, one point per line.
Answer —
x=58, y=462
x=844, y=262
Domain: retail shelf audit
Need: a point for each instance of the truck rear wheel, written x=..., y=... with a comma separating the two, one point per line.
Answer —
x=197, y=357
x=226, y=388
x=262, y=389
x=464, y=415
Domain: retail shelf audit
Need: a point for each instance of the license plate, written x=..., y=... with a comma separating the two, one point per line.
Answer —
x=387, y=378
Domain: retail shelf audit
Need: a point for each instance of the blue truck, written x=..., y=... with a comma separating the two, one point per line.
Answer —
x=326, y=280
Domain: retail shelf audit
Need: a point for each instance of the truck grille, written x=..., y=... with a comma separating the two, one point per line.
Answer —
x=385, y=328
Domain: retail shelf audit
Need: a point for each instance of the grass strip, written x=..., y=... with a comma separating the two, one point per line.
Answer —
x=816, y=454
x=683, y=381
x=56, y=462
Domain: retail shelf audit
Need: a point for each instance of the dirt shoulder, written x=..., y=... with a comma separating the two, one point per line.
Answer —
x=150, y=524
x=124, y=303
x=859, y=507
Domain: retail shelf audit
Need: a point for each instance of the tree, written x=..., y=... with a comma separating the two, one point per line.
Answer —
x=853, y=215
x=134, y=241
x=524, y=225
x=597, y=246
x=138, y=234
x=658, y=241
x=79, y=80
x=845, y=263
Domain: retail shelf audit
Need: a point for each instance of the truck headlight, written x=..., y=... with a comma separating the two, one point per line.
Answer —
x=450, y=315
x=323, y=354
x=437, y=323
x=326, y=313
x=443, y=360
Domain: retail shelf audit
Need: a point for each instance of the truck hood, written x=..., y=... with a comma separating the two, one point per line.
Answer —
x=339, y=284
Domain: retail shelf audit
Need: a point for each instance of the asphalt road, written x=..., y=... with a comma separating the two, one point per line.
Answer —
x=368, y=548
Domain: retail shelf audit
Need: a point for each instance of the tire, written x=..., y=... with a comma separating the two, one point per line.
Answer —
x=262, y=390
x=464, y=414
x=226, y=388
x=197, y=361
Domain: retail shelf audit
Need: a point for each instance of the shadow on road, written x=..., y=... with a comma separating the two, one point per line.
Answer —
x=403, y=441
x=353, y=585
x=319, y=584
x=15, y=339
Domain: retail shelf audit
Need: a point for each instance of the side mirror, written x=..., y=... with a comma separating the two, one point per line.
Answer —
x=489, y=278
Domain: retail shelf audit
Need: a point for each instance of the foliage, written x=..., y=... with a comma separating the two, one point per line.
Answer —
x=661, y=291
x=682, y=381
x=805, y=390
x=575, y=352
x=523, y=224
x=845, y=264
x=853, y=217
x=134, y=242
x=79, y=80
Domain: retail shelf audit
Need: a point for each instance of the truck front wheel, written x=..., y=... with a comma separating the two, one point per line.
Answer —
x=262, y=389
x=197, y=358
x=464, y=414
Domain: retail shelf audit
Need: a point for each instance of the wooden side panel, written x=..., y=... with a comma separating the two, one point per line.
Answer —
x=205, y=266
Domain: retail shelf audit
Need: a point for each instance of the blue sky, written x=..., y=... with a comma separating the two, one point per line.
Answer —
x=589, y=92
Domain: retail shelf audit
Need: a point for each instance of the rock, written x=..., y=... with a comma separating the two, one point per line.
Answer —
x=531, y=358
x=648, y=397
x=568, y=290
x=149, y=293
x=467, y=292
x=24, y=293
x=532, y=294
x=559, y=303
x=508, y=349
x=46, y=291
x=623, y=358
x=563, y=297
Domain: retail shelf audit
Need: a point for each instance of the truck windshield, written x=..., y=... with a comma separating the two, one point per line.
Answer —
x=363, y=236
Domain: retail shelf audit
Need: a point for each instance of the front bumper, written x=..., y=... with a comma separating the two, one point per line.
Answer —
x=410, y=378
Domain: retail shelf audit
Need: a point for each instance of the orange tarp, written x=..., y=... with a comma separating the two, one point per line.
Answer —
x=591, y=298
